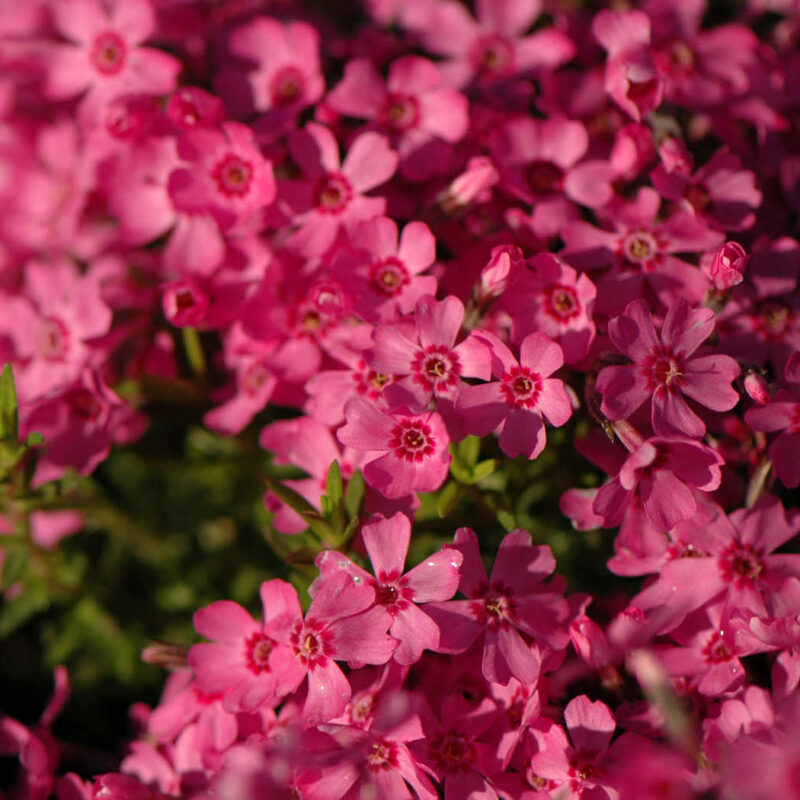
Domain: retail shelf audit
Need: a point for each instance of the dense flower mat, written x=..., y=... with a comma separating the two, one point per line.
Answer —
x=414, y=385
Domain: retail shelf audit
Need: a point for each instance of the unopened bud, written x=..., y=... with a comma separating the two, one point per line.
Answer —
x=756, y=387
x=495, y=275
x=479, y=176
x=726, y=267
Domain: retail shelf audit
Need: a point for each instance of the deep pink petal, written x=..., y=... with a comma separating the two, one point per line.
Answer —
x=672, y=416
x=540, y=354
x=415, y=631
x=363, y=637
x=591, y=724
x=386, y=542
x=328, y=693
x=437, y=577
x=522, y=434
x=224, y=621
x=439, y=321
x=369, y=162
x=366, y=428
x=686, y=328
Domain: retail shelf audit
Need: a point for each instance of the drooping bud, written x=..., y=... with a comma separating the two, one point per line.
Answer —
x=756, y=387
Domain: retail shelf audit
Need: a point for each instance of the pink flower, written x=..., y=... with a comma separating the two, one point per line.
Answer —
x=383, y=272
x=552, y=298
x=520, y=397
x=246, y=661
x=519, y=617
x=427, y=361
x=331, y=194
x=727, y=266
x=436, y=578
x=225, y=175
x=342, y=624
x=541, y=163
x=664, y=369
x=287, y=76
x=662, y=472
x=782, y=414
x=413, y=108
x=410, y=450
x=631, y=77
x=104, y=58
x=493, y=47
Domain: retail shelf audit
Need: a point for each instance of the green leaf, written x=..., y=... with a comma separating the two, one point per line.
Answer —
x=449, y=498
x=320, y=525
x=15, y=560
x=34, y=438
x=15, y=613
x=333, y=484
x=460, y=471
x=484, y=469
x=289, y=496
x=354, y=494
x=9, y=423
x=506, y=519
x=469, y=449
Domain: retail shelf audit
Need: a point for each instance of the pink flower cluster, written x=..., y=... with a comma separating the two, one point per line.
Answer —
x=482, y=219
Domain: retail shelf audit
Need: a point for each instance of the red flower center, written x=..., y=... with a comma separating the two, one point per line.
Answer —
x=108, y=53
x=333, y=193
x=233, y=175
x=287, y=86
x=257, y=652
x=742, y=565
x=562, y=302
x=545, y=177
x=85, y=405
x=412, y=440
x=311, y=643
x=401, y=111
x=661, y=369
x=717, y=650
x=640, y=246
x=389, y=275
x=521, y=387
x=492, y=55
x=436, y=367
x=452, y=751
x=381, y=755
x=699, y=198
x=53, y=339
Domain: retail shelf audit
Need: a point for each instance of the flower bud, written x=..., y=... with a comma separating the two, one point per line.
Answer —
x=756, y=387
x=726, y=267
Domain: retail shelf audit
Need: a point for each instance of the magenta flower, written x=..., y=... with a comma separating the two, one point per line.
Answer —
x=342, y=624
x=226, y=176
x=492, y=47
x=522, y=394
x=411, y=451
x=728, y=561
x=435, y=579
x=414, y=108
x=382, y=272
x=245, y=661
x=427, y=362
x=552, y=298
x=520, y=617
x=664, y=369
x=104, y=58
x=782, y=414
x=663, y=473
x=331, y=193
x=584, y=766
x=631, y=76
x=542, y=163
x=287, y=76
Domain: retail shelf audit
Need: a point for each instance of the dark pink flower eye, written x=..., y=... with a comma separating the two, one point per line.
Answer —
x=333, y=193
x=257, y=652
x=662, y=370
x=717, y=650
x=452, y=751
x=639, y=246
x=412, y=440
x=493, y=55
x=108, y=53
x=382, y=755
x=53, y=339
x=521, y=387
x=85, y=405
x=401, y=111
x=544, y=177
x=233, y=175
x=562, y=302
x=287, y=86
x=389, y=275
